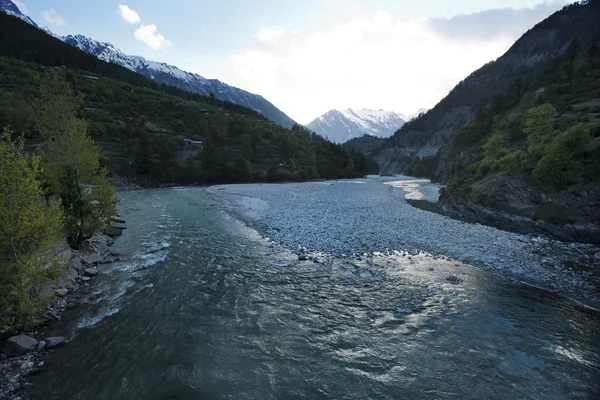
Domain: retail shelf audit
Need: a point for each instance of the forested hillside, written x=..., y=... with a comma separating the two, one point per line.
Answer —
x=530, y=56
x=530, y=158
x=150, y=132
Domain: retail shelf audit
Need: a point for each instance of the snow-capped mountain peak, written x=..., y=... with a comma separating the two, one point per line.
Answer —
x=163, y=72
x=339, y=126
x=415, y=115
x=11, y=8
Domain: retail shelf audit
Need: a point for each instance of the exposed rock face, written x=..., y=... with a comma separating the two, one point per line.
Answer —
x=19, y=345
x=510, y=204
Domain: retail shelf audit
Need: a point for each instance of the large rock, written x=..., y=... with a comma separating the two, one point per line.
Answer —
x=19, y=345
x=76, y=264
x=92, y=259
x=62, y=292
x=113, y=231
x=72, y=272
x=97, y=244
x=55, y=341
x=91, y=271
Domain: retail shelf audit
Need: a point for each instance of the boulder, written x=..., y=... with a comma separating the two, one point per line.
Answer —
x=97, y=244
x=112, y=231
x=91, y=259
x=453, y=279
x=118, y=225
x=91, y=271
x=62, y=292
x=76, y=264
x=73, y=272
x=19, y=345
x=85, y=279
x=41, y=345
x=55, y=341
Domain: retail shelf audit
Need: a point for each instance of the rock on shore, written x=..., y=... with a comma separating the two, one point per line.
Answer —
x=22, y=355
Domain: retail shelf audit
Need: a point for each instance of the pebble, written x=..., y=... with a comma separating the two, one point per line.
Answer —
x=367, y=216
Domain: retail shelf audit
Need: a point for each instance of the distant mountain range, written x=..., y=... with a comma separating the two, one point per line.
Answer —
x=339, y=126
x=164, y=73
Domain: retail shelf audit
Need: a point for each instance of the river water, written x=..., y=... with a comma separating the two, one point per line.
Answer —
x=205, y=308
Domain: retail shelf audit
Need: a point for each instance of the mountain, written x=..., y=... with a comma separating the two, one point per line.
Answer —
x=154, y=133
x=366, y=144
x=415, y=115
x=11, y=8
x=165, y=73
x=532, y=53
x=339, y=126
x=517, y=143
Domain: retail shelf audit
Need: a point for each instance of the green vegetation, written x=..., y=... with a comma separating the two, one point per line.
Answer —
x=544, y=131
x=549, y=137
x=31, y=233
x=69, y=197
x=72, y=161
x=141, y=126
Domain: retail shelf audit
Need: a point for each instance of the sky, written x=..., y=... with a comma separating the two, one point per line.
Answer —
x=310, y=56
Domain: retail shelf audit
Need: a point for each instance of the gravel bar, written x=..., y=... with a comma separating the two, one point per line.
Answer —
x=351, y=218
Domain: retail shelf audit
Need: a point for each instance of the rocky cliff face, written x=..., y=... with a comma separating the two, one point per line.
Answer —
x=511, y=204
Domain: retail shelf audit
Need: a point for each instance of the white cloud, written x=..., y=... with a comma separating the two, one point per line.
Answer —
x=379, y=61
x=129, y=15
x=53, y=18
x=21, y=6
x=149, y=35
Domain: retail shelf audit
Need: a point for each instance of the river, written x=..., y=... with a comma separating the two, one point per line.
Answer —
x=207, y=308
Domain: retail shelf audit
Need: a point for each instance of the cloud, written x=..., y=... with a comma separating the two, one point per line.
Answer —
x=490, y=24
x=149, y=35
x=53, y=18
x=21, y=6
x=128, y=14
x=377, y=61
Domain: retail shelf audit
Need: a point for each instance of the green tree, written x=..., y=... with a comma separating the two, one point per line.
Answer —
x=539, y=127
x=71, y=160
x=562, y=165
x=31, y=232
x=243, y=170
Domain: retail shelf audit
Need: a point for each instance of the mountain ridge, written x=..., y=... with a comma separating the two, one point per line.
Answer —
x=341, y=125
x=163, y=72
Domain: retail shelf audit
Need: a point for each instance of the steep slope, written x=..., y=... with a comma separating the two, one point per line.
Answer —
x=532, y=53
x=154, y=133
x=165, y=73
x=339, y=126
x=415, y=115
x=529, y=159
x=11, y=8
x=171, y=75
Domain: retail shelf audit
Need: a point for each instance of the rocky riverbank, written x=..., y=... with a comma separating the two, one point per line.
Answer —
x=511, y=204
x=22, y=355
x=358, y=217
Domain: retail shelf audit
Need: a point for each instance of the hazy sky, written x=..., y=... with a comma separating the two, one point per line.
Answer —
x=310, y=56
